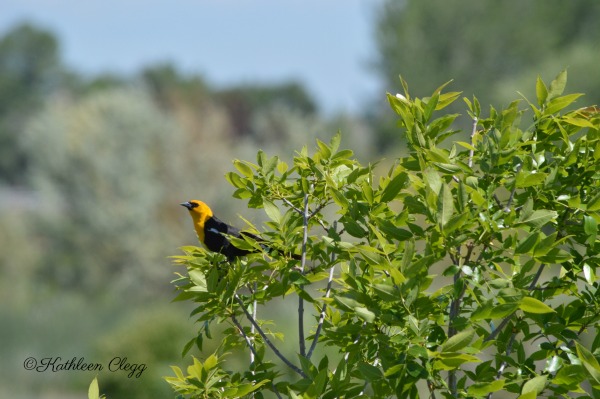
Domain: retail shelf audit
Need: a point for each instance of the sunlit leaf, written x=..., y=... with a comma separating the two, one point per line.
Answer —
x=532, y=305
x=458, y=341
x=557, y=86
x=445, y=205
x=541, y=91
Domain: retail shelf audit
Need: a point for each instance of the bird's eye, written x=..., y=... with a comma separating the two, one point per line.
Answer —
x=194, y=205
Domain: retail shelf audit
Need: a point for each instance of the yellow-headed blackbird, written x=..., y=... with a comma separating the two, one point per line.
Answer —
x=213, y=233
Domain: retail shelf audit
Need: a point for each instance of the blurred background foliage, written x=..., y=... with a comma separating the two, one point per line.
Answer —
x=92, y=168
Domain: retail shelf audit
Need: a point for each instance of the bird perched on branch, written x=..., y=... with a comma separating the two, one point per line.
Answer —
x=213, y=233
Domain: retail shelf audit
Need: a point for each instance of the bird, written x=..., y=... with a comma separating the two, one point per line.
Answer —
x=213, y=233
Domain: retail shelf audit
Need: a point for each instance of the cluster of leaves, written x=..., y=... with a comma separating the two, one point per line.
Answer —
x=467, y=269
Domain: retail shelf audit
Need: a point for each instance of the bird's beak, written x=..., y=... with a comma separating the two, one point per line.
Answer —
x=188, y=205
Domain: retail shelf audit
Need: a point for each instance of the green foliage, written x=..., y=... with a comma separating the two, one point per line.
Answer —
x=100, y=162
x=94, y=390
x=30, y=68
x=465, y=269
x=490, y=49
x=149, y=340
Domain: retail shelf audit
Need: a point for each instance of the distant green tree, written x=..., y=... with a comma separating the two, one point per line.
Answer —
x=244, y=102
x=102, y=170
x=490, y=48
x=469, y=269
x=170, y=88
x=30, y=69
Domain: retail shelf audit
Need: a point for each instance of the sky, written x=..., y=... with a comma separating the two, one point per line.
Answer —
x=328, y=45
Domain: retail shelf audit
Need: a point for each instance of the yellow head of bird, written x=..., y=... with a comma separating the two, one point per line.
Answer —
x=200, y=213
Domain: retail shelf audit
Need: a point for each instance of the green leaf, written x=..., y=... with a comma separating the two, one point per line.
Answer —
x=570, y=375
x=466, y=145
x=541, y=91
x=534, y=385
x=445, y=205
x=272, y=211
x=245, y=389
x=594, y=203
x=532, y=305
x=556, y=255
x=243, y=168
x=371, y=373
x=483, y=388
x=335, y=141
x=433, y=179
x=458, y=341
x=526, y=245
x=589, y=274
x=282, y=167
x=447, y=99
x=453, y=360
x=364, y=314
x=339, y=199
x=537, y=218
x=557, y=86
x=324, y=150
x=211, y=362
x=394, y=186
x=354, y=229
x=347, y=304
x=455, y=222
x=530, y=179
x=589, y=362
x=560, y=103
x=545, y=245
x=343, y=154
x=235, y=180
x=528, y=395
x=93, y=390
x=581, y=122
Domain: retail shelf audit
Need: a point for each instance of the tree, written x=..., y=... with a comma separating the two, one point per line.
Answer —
x=30, y=68
x=507, y=43
x=465, y=270
x=103, y=168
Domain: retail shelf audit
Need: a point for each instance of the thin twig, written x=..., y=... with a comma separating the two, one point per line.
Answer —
x=471, y=152
x=498, y=202
x=512, y=193
x=322, y=317
x=252, y=349
x=504, y=363
x=455, y=307
x=245, y=336
x=301, y=339
x=267, y=340
x=324, y=308
x=294, y=207
x=431, y=388
x=252, y=354
x=317, y=210
x=313, y=214
x=505, y=321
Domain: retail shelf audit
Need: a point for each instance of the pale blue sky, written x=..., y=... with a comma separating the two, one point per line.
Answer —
x=325, y=44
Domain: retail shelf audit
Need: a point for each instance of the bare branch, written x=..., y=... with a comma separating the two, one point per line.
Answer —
x=505, y=321
x=324, y=308
x=253, y=354
x=246, y=337
x=471, y=152
x=317, y=210
x=267, y=340
x=301, y=339
x=512, y=193
x=294, y=207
